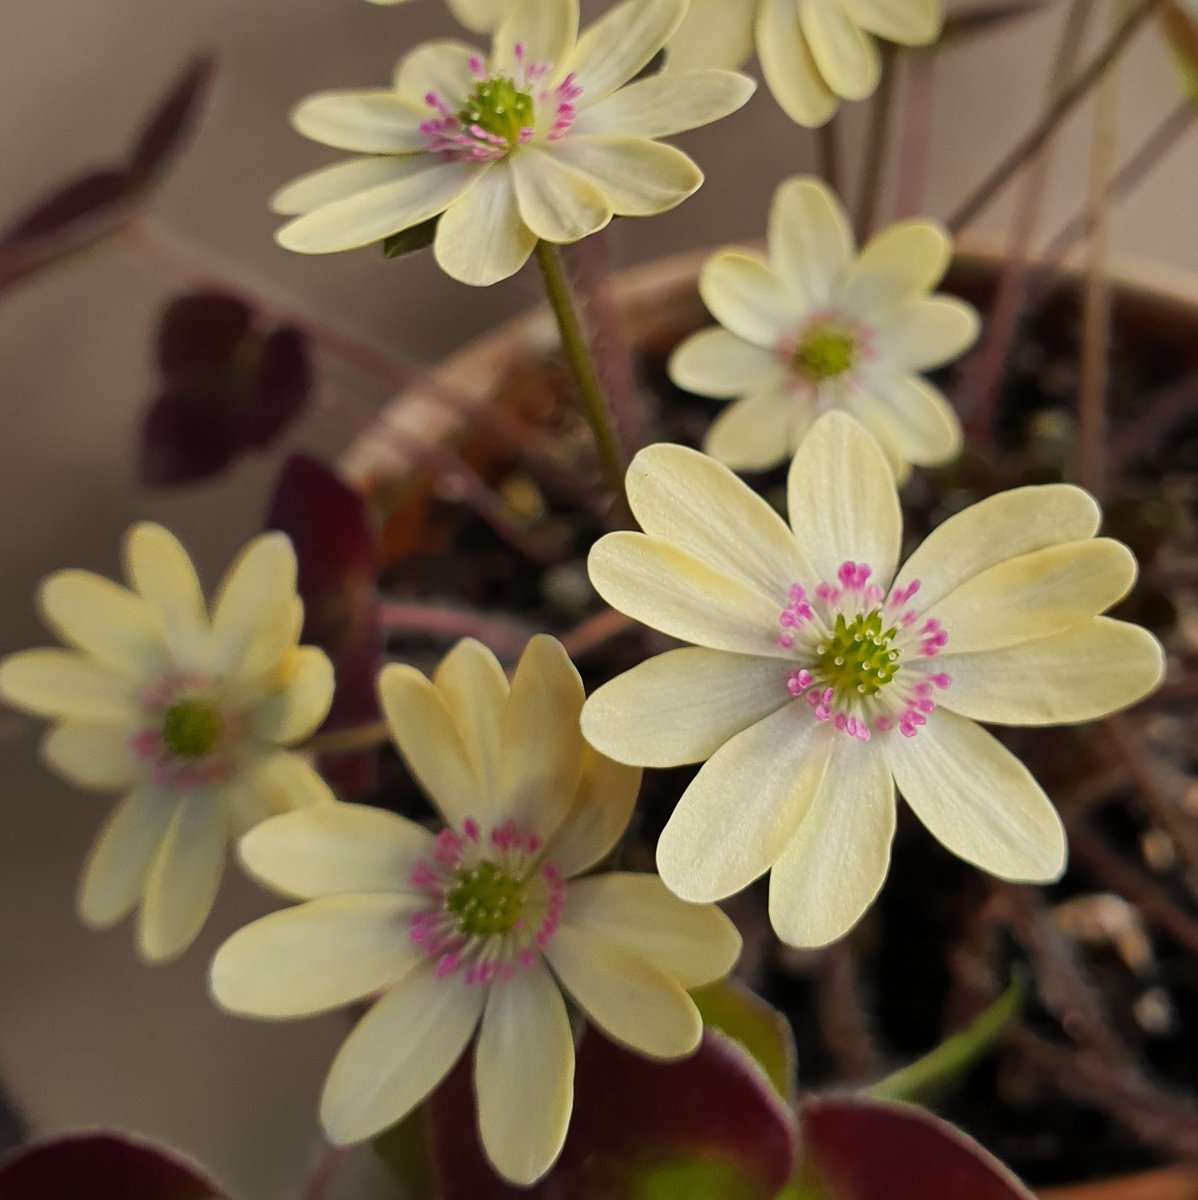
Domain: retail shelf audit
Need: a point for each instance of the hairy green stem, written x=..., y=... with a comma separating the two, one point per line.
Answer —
x=594, y=403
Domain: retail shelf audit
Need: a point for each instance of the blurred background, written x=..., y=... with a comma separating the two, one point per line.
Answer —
x=88, y=1036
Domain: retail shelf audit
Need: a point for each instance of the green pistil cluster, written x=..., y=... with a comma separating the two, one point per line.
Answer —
x=191, y=729
x=825, y=352
x=497, y=106
x=485, y=901
x=858, y=657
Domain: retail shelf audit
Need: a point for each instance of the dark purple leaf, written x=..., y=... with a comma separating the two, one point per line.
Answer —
x=203, y=331
x=633, y=1118
x=871, y=1150
x=101, y=1166
x=185, y=438
x=284, y=383
x=173, y=122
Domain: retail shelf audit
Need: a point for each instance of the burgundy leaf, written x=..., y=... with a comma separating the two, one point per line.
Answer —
x=101, y=1166
x=283, y=386
x=870, y=1150
x=632, y=1116
x=173, y=122
x=185, y=438
x=202, y=331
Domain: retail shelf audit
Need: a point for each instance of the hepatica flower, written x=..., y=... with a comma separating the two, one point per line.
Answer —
x=815, y=326
x=823, y=675
x=186, y=713
x=541, y=138
x=480, y=15
x=480, y=927
x=813, y=53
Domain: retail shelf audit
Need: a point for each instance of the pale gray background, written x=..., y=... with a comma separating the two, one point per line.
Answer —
x=87, y=1036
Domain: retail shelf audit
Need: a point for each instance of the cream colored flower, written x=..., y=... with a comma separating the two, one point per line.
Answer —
x=816, y=326
x=482, y=926
x=479, y=15
x=813, y=52
x=539, y=139
x=186, y=715
x=821, y=677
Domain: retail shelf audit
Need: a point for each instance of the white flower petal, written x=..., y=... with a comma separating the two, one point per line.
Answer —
x=602, y=808
x=697, y=505
x=268, y=659
x=1079, y=674
x=542, y=741
x=677, y=593
x=524, y=1075
x=481, y=238
x=404, y=1046
x=620, y=43
x=425, y=733
x=161, y=571
x=665, y=104
x=696, y=944
x=895, y=267
x=789, y=66
x=184, y=879
x=636, y=176
x=479, y=15
x=1000, y=527
x=338, y=182
x=715, y=33
x=428, y=187
x=842, y=500
x=717, y=363
x=979, y=800
x=285, y=781
x=258, y=587
x=909, y=416
x=297, y=710
x=929, y=332
x=1037, y=594
x=114, y=625
x=315, y=957
x=846, y=56
x=682, y=706
x=741, y=811
x=908, y=22
x=92, y=757
x=556, y=202
x=810, y=241
x=67, y=686
x=837, y=861
x=335, y=849
x=759, y=431
x=114, y=875
x=364, y=121
x=631, y=1000
x=439, y=67
x=546, y=30
x=746, y=297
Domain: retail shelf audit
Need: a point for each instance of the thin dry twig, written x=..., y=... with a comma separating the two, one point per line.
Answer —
x=915, y=137
x=843, y=1019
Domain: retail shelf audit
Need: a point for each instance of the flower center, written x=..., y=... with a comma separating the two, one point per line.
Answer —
x=486, y=901
x=858, y=657
x=498, y=108
x=191, y=729
x=825, y=351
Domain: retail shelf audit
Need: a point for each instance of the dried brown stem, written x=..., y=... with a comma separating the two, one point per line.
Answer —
x=596, y=632
x=876, y=146
x=828, y=152
x=915, y=137
x=842, y=1017
x=505, y=636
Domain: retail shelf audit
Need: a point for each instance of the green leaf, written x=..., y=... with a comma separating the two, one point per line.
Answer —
x=761, y=1030
x=687, y=1179
x=403, y=1150
x=408, y=241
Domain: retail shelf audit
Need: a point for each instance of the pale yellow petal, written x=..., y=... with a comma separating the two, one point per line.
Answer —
x=665, y=104
x=315, y=957
x=481, y=238
x=603, y=805
x=63, y=685
x=759, y=431
x=895, y=267
x=715, y=33
x=161, y=571
x=810, y=240
x=748, y=298
x=979, y=800
x=183, y=880
x=524, y=1075
x=334, y=849
x=632, y=1001
x=287, y=781
x=441, y=68
x=545, y=30
x=404, y=1046
x=717, y=363
x=695, y=944
x=908, y=22
x=636, y=177
x=621, y=43
x=929, y=331
x=1090, y=671
x=837, y=861
x=114, y=875
x=558, y=203
x=847, y=57
x=259, y=672
x=297, y=710
x=425, y=732
x=682, y=706
x=742, y=810
x=479, y=15
x=258, y=587
x=677, y=593
x=910, y=417
x=364, y=121
x=92, y=757
x=842, y=500
x=1036, y=594
x=789, y=66
x=1003, y=526
x=338, y=182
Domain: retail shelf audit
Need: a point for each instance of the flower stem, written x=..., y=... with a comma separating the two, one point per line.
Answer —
x=872, y=170
x=347, y=741
x=828, y=149
x=582, y=366
x=1056, y=112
